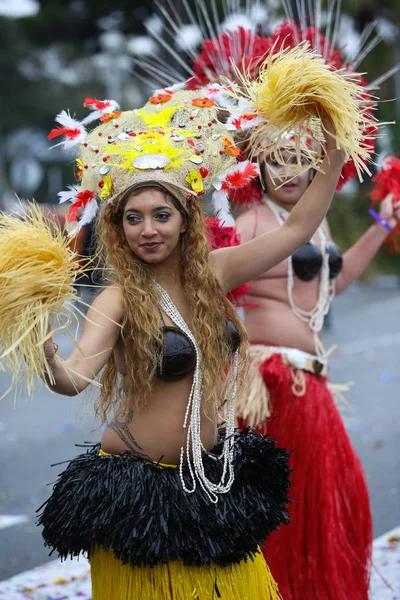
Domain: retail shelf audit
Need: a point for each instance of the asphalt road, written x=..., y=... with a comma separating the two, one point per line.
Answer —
x=38, y=433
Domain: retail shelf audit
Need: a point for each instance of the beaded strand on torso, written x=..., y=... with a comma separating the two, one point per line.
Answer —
x=314, y=317
x=194, y=450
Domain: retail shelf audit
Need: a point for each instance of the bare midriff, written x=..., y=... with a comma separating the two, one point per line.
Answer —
x=157, y=427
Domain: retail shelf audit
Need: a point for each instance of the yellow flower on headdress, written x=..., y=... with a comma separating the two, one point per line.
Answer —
x=79, y=165
x=150, y=143
x=159, y=118
x=195, y=180
x=106, y=187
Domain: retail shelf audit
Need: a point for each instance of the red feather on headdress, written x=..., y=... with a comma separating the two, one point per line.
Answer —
x=248, y=195
x=288, y=35
x=68, y=132
x=80, y=201
x=242, y=46
x=240, y=175
x=73, y=130
x=100, y=105
x=101, y=109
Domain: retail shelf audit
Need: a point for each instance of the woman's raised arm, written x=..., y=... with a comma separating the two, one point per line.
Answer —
x=240, y=264
x=358, y=257
x=100, y=333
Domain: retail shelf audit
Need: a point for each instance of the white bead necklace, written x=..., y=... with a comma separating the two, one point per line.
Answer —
x=194, y=451
x=314, y=317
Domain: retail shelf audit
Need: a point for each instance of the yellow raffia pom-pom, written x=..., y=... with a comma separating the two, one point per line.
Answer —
x=37, y=273
x=294, y=86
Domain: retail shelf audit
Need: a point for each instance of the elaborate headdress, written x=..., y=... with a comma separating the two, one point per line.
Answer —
x=254, y=64
x=175, y=140
x=238, y=51
x=178, y=138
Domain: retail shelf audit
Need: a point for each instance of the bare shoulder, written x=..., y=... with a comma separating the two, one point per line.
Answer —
x=246, y=217
x=254, y=222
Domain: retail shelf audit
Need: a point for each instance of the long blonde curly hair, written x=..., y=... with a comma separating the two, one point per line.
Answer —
x=141, y=333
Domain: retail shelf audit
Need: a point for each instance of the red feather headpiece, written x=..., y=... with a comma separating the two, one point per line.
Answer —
x=241, y=46
x=249, y=51
x=73, y=131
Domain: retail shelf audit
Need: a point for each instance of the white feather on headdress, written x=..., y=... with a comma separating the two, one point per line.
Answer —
x=99, y=108
x=73, y=130
x=70, y=194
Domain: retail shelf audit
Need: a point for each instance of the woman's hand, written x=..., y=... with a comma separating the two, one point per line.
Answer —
x=100, y=333
x=329, y=132
x=50, y=349
x=390, y=210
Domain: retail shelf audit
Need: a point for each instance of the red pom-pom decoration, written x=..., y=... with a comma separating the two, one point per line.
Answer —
x=387, y=181
x=226, y=237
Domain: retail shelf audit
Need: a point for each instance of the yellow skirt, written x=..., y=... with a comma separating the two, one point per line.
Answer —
x=247, y=580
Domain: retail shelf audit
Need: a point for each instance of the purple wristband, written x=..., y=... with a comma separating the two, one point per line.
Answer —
x=379, y=220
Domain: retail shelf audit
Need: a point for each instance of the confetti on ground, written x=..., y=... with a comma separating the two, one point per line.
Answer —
x=378, y=445
x=71, y=579
x=385, y=582
x=52, y=581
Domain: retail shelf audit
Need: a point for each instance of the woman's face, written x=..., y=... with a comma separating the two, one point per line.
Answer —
x=282, y=187
x=152, y=225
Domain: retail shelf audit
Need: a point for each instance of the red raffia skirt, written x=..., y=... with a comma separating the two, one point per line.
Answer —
x=325, y=552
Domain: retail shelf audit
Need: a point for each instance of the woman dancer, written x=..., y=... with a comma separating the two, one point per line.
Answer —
x=327, y=550
x=165, y=285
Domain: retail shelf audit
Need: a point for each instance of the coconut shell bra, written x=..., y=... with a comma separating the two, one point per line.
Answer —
x=307, y=261
x=179, y=356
